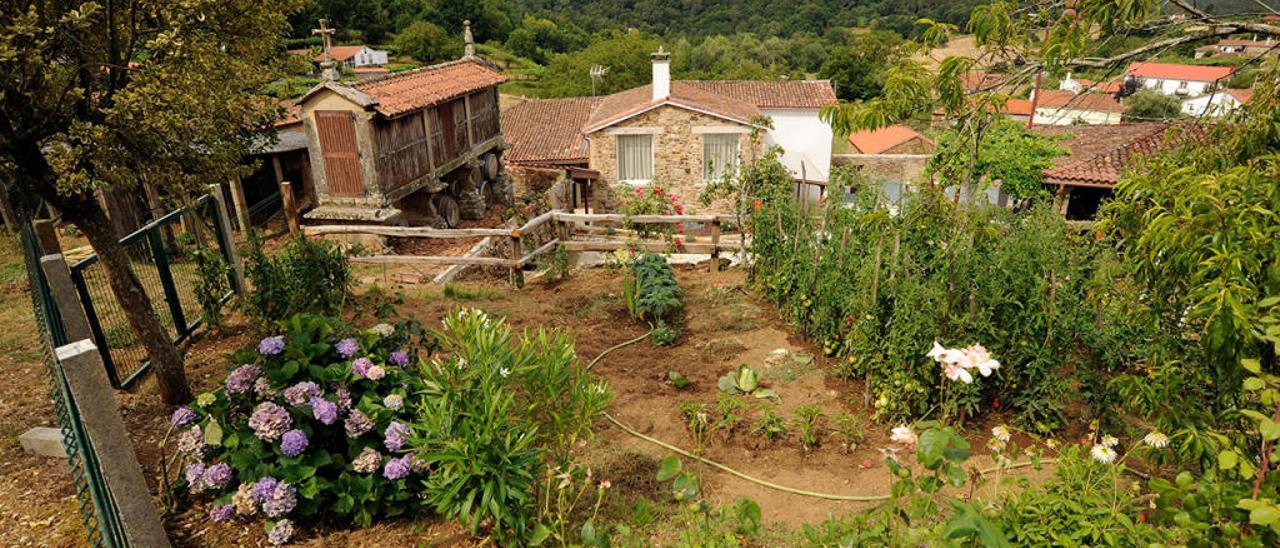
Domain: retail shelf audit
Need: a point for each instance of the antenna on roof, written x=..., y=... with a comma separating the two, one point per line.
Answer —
x=597, y=74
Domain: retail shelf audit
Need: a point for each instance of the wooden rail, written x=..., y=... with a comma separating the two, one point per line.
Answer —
x=657, y=219
x=406, y=231
x=424, y=259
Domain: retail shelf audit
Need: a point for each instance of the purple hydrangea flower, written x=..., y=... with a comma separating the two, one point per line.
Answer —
x=271, y=346
x=269, y=421
x=222, y=513
x=325, y=411
x=301, y=393
x=376, y=373
x=396, y=468
x=361, y=367
x=399, y=358
x=417, y=464
x=217, y=475
x=195, y=477
x=263, y=488
x=281, y=532
x=181, y=416
x=347, y=348
x=191, y=442
x=395, y=434
x=281, y=501
x=241, y=380
x=344, y=400
x=357, y=424
x=293, y=443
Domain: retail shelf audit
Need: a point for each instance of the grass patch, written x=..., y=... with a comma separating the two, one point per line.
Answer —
x=459, y=293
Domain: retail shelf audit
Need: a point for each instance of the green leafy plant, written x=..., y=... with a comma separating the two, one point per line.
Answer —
x=849, y=428
x=652, y=295
x=678, y=380
x=771, y=425
x=698, y=421
x=806, y=423
x=745, y=380
x=728, y=407
x=212, y=286
x=303, y=276
x=564, y=493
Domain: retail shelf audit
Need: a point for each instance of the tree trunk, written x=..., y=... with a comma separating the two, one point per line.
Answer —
x=34, y=176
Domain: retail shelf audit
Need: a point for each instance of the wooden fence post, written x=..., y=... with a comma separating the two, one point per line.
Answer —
x=233, y=257
x=91, y=392
x=715, y=246
x=517, y=269
x=242, y=209
x=290, y=208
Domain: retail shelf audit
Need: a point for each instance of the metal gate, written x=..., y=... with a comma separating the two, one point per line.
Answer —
x=164, y=262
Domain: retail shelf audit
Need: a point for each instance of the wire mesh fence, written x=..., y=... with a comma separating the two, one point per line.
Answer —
x=163, y=257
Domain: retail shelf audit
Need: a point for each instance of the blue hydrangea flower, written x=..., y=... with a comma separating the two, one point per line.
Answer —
x=396, y=468
x=263, y=488
x=399, y=358
x=301, y=393
x=282, y=500
x=217, y=475
x=394, y=436
x=181, y=416
x=324, y=410
x=293, y=443
x=271, y=346
x=241, y=380
x=361, y=367
x=347, y=348
x=222, y=513
x=195, y=477
x=280, y=533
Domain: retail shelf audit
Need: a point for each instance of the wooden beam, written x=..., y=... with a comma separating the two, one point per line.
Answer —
x=406, y=231
x=659, y=219
x=648, y=245
x=242, y=208
x=538, y=221
x=541, y=249
x=424, y=259
x=290, y=208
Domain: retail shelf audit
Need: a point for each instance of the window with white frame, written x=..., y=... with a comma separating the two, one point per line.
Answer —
x=719, y=156
x=635, y=158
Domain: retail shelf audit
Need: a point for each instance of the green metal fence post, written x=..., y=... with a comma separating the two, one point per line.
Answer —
x=166, y=282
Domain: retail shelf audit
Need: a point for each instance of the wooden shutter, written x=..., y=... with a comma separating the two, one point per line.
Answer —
x=340, y=151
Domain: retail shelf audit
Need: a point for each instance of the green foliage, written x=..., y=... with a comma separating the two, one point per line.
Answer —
x=625, y=54
x=1149, y=105
x=326, y=476
x=745, y=380
x=877, y=289
x=857, y=67
x=678, y=380
x=728, y=407
x=304, y=276
x=539, y=39
x=494, y=410
x=849, y=428
x=653, y=199
x=428, y=43
x=1009, y=153
x=652, y=295
x=771, y=425
x=806, y=423
x=213, y=284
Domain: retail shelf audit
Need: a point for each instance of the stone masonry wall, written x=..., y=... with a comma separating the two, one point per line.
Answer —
x=677, y=151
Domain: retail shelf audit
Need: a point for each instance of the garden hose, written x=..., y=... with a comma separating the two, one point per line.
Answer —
x=617, y=346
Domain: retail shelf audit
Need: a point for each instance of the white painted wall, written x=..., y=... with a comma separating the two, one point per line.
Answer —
x=369, y=57
x=1056, y=116
x=1215, y=105
x=1175, y=87
x=804, y=138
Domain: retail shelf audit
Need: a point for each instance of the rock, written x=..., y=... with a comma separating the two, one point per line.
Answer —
x=43, y=441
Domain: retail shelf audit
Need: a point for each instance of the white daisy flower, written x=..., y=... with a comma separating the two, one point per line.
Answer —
x=1110, y=441
x=1156, y=439
x=1001, y=433
x=1103, y=454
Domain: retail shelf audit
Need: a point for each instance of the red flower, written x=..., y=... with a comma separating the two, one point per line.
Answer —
x=639, y=192
x=758, y=203
x=679, y=209
x=657, y=191
x=995, y=404
x=679, y=228
x=679, y=242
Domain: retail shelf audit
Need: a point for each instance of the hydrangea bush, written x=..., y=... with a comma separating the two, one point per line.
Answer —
x=309, y=423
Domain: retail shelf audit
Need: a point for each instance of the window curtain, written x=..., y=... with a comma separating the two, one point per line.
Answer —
x=719, y=156
x=635, y=158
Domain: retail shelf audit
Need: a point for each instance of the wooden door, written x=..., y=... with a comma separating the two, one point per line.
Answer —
x=340, y=151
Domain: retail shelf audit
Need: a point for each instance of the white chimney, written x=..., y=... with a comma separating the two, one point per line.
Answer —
x=661, y=74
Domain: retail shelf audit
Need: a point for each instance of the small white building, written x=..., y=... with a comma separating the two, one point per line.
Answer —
x=1217, y=103
x=1057, y=107
x=1178, y=80
x=356, y=56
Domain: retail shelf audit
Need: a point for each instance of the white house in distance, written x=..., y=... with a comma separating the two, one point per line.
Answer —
x=1217, y=103
x=1058, y=107
x=683, y=133
x=1179, y=80
x=356, y=56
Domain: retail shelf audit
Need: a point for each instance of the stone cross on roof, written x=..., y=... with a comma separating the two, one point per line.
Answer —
x=327, y=70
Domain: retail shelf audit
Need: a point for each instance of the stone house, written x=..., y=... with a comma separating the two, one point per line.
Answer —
x=897, y=139
x=682, y=133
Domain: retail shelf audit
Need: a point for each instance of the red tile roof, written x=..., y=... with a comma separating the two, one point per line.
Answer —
x=340, y=53
x=1111, y=87
x=770, y=93
x=547, y=131
x=1167, y=71
x=977, y=80
x=1066, y=99
x=1242, y=95
x=371, y=70
x=879, y=140
x=1100, y=154
x=420, y=88
x=1018, y=107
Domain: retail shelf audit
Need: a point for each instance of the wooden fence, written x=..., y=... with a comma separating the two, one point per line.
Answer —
x=566, y=226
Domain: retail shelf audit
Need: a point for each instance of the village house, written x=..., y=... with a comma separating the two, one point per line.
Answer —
x=897, y=139
x=1231, y=47
x=1082, y=85
x=355, y=56
x=681, y=133
x=1173, y=79
x=1218, y=103
x=1057, y=107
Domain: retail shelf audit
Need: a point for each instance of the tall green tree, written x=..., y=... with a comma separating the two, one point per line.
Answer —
x=858, y=67
x=114, y=94
x=1147, y=105
x=625, y=54
x=428, y=43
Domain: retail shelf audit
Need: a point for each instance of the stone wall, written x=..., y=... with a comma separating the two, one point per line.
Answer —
x=677, y=150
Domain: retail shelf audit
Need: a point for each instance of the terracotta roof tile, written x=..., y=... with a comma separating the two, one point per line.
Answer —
x=1018, y=107
x=771, y=93
x=879, y=140
x=340, y=53
x=1061, y=98
x=1168, y=71
x=624, y=104
x=1099, y=154
x=420, y=88
x=1242, y=95
x=547, y=130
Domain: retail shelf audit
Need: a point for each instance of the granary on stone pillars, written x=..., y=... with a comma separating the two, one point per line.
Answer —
x=421, y=146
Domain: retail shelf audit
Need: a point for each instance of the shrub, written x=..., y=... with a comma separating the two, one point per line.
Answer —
x=311, y=423
x=305, y=276
x=495, y=410
x=212, y=286
x=655, y=199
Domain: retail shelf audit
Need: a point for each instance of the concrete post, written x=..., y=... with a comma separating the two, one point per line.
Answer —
x=82, y=365
x=233, y=256
x=47, y=237
x=75, y=324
